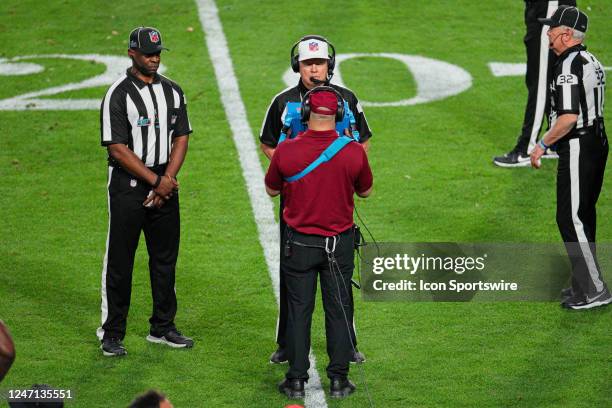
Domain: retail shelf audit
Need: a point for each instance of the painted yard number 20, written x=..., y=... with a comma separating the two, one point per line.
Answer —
x=114, y=65
x=435, y=79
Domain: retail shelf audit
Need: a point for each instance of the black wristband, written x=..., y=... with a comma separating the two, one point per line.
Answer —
x=157, y=181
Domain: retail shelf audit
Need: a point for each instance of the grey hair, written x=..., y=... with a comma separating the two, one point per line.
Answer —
x=576, y=35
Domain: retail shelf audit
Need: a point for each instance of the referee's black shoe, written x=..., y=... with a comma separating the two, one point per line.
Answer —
x=341, y=388
x=292, y=388
x=172, y=338
x=113, y=347
x=279, y=356
x=602, y=298
x=514, y=158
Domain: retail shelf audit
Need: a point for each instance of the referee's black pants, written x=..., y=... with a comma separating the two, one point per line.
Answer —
x=582, y=162
x=281, y=324
x=539, y=61
x=127, y=218
x=301, y=268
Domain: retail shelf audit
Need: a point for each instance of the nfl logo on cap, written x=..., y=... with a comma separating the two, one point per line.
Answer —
x=312, y=48
x=154, y=36
x=147, y=40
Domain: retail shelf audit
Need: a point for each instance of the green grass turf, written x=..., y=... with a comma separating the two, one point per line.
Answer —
x=434, y=182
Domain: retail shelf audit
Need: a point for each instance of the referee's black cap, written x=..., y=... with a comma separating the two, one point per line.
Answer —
x=567, y=16
x=147, y=40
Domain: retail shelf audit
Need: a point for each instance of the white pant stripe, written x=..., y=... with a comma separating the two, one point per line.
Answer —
x=104, y=305
x=542, y=85
x=575, y=191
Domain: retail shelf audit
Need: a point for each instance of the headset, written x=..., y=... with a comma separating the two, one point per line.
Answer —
x=331, y=62
x=305, y=110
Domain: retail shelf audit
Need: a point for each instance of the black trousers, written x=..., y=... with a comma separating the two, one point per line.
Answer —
x=301, y=269
x=127, y=218
x=539, y=62
x=582, y=162
x=281, y=324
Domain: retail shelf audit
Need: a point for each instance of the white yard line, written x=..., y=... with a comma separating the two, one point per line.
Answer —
x=263, y=210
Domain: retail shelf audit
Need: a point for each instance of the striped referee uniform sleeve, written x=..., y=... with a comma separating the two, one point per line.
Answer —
x=568, y=86
x=360, y=120
x=182, y=126
x=272, y=124
x=114, y=124
x=362, y=124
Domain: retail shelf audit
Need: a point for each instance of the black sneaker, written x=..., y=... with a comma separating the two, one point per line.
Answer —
x=279, y=357
x=587, y=302
x=513, y=158
x=293, y=389
x=341, y=388
x=113, y=347
x=357, y=357
x=173, y=338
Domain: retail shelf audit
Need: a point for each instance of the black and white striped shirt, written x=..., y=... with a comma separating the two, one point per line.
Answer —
x=145, y=117
x=578, y=86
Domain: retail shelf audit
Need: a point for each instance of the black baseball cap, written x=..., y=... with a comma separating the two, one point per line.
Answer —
x=146, y=40
x=567, y=16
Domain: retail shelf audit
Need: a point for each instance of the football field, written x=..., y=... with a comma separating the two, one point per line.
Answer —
x=441, y=85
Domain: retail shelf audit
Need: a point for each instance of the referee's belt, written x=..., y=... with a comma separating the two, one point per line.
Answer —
x=311, y=240
x=596, y=129
x=159, y=169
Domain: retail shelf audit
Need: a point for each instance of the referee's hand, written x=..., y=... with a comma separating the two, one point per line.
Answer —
x=167, y=187
x=154, y=201
x=536, y=155
x=158, y=202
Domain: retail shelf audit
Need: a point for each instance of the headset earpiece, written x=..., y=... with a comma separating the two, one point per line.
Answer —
x=295, y=63
x=331, y=62
x=305, y=110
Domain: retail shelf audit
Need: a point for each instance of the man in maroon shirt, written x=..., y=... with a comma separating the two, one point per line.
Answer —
x=319, y=240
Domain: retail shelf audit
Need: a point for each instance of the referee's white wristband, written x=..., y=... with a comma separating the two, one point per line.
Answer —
x=543, y=145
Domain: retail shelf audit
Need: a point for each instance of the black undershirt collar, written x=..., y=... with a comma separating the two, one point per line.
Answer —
x=139, y=82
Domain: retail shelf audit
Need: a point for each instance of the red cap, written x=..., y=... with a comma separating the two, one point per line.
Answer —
x=324, y=99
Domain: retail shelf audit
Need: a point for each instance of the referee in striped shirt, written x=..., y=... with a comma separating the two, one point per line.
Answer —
x=144, y=126
x=577, y=127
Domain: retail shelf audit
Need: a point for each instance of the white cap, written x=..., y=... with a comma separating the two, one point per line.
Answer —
x=312, y=48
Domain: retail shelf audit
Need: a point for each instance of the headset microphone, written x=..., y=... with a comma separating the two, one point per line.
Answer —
x=550, y=43
x=316, y=81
